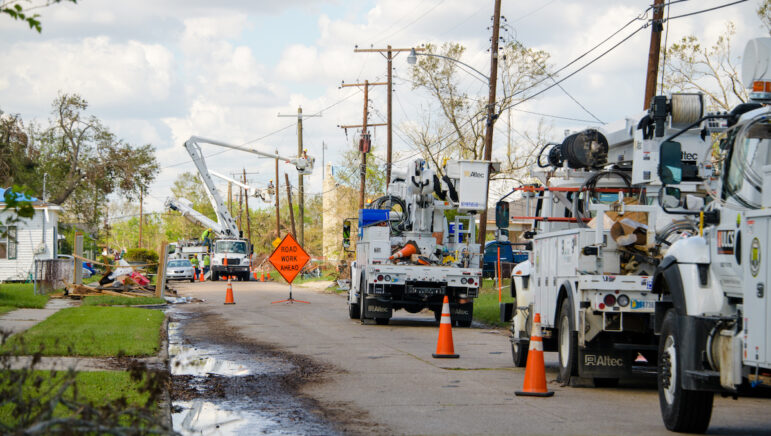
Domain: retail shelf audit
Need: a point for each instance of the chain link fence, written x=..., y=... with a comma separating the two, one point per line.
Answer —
x=50, y=275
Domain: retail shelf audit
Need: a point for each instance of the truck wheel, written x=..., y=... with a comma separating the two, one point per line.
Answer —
x=192, y=280
x=682, y=410
x=566, y=344
x=519, y=352
x=354, y=311
x=215, y=277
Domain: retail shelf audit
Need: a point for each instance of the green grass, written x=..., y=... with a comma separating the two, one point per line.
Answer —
x=114, y=300
x=486, y=306
x=97, y=388
x=21, y=295
x=6, y=309
x=94, y=331
x=324, y=277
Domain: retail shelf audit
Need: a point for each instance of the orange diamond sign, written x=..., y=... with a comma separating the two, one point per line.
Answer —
x=289, y=258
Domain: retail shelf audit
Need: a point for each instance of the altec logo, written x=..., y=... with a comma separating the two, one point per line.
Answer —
x=474, y=174
x=600, y=360
x=379, y=309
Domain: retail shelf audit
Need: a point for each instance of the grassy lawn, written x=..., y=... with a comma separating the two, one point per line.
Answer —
x=21, y=295
x=97, y=388
x=95, y=331
x=486, y=306
x=114, y=300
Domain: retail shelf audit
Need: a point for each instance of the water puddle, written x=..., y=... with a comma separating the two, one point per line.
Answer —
x=224, y=390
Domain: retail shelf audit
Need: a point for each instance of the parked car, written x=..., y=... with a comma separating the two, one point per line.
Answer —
x=508, y=255
x=88, y=270
x=180, y=269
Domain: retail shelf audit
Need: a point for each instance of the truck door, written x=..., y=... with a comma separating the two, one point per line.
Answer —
x=756, y=305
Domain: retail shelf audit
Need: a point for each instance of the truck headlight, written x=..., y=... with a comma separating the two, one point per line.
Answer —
x=623, y=300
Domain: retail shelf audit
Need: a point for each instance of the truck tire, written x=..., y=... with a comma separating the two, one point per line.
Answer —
x=519, y=352
x=566, y=344
x=362, y=299
x=682, y=410
x=215, y=277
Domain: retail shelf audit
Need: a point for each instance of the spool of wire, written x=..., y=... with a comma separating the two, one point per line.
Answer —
x=686, y=108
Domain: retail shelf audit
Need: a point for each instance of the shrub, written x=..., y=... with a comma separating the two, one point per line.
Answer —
x=143, y=255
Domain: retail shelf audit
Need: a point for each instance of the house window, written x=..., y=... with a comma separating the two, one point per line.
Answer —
x=8, y=242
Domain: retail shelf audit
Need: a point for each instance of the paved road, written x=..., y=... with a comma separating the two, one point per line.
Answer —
x=385, y=375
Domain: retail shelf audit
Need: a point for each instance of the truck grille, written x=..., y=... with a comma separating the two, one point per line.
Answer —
x=231, y=262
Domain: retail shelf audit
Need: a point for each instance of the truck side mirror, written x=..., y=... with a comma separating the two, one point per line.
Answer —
x=502, y=215
x=346, y=234
x=670, y=163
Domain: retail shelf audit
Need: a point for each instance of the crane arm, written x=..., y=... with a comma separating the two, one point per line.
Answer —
x=304, y=164
x=225, y=221
x=193, y=215
x=264, y=194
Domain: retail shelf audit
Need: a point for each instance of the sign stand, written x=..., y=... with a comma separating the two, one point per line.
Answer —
x=289, y=258
x=290, y=300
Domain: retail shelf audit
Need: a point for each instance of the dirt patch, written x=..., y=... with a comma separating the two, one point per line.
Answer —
x=274, y=388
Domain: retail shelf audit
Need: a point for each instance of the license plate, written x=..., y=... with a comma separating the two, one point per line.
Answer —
x=426, y=291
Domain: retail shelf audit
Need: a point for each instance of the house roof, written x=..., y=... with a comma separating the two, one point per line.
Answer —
x=36, y=203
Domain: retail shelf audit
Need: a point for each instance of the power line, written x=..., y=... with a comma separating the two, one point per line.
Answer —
x=707, y=10
x=413, y=21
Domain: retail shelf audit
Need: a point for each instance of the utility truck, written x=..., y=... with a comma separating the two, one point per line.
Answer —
x=230, y=252
x=600, y=232
x=409, y=255
x=713, y=313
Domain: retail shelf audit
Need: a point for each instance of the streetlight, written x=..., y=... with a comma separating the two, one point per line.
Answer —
x=413, y=58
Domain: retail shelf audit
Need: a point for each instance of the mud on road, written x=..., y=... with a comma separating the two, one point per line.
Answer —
x=222, y=381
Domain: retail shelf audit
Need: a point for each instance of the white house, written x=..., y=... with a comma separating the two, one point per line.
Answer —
x=27, y=239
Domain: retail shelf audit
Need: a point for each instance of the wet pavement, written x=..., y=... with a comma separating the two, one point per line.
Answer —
x=223, y=386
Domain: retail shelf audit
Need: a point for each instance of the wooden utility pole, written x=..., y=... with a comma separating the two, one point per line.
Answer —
x=300, y=184
x=653, y=53
x=278, y=217
x=289, y=199
x=491, y=115
x=141, y=218
x=364, y=125
x=240, y=208
x=160, y=278
x=389, y=58
x=248, y=217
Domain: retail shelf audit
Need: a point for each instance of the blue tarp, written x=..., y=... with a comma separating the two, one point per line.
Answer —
x=19, y=196
x=369, y=217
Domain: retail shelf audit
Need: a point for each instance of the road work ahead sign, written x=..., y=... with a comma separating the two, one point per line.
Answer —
x=289, y=258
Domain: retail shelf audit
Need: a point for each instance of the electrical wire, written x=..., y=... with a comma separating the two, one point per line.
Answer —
x=707, y=10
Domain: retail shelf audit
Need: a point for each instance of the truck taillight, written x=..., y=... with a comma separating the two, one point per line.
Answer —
x=609, y=300
x=380, y=277
x=470, y=281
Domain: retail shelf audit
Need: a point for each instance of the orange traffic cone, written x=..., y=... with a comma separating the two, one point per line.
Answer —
x=229, y=294
x=262, y=276
x=254, y=274
x=535, y=373
x=444, y=347
x=408, y=250
x=201, y=276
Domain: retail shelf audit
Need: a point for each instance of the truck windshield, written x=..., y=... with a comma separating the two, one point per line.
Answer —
x=749, y=153
x=237, y=247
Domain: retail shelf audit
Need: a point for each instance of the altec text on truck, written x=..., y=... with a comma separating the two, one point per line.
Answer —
x=408, y=255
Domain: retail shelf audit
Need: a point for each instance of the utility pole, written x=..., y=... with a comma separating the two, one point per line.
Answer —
x=300, y=185
x=362, y=142
x=491, y=115
x=141, y=218
x=289, y=199
x=240, y=209
x=278, y=216
x=653, y=53
x=248, y=217
x=230, y=198
x=389, y=59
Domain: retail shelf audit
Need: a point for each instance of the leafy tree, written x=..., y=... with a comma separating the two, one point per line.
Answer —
x=690, y=66
x=457, y=128
x=764, y=13
x=16, y=11
x=85, y=162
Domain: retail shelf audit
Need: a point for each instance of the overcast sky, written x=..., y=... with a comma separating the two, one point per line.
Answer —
x=160, y=71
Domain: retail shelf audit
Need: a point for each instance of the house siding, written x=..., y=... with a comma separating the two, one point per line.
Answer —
x=29, y=237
